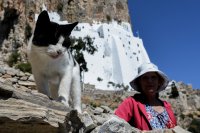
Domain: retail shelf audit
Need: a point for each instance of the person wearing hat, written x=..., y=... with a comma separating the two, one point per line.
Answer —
x=145, y=110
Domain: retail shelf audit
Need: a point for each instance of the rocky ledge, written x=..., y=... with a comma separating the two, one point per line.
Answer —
x=25, y=110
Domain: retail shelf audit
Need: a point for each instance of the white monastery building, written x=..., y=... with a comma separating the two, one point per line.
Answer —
x=118, y=56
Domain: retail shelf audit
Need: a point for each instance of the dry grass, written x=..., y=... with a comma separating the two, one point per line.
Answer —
x=97, y=99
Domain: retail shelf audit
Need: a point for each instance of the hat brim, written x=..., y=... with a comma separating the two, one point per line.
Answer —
x=135, y=86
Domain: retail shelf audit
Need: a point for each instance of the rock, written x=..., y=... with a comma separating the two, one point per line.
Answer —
x=178, y=129
x=27, y=83
x=2, y=80
x=98, y=111
x=96, y=130
x=117, y=125
x=24, y=78
x=2, y=71
x=24, y=110
x=194, y=101
x=99, y=119
x=6, y=76
x=106, y=109
x=12, y=71
x=88, y=122
x=21, y=74
x=31, y=78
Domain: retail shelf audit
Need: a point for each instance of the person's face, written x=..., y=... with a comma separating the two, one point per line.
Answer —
x=149, y=83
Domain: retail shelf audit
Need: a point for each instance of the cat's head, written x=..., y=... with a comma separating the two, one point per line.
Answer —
x=51, y=35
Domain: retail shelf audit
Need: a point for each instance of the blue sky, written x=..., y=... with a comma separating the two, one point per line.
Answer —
x=170, y=30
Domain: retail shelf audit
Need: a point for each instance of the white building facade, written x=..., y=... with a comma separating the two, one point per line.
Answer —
x=118, y=57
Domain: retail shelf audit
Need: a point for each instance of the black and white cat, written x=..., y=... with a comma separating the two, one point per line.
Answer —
x=56, y=72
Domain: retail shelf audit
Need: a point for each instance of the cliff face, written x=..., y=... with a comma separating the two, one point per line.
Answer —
x=17, y=16
x=72, y=10
x=83, y=10
x=96, y=10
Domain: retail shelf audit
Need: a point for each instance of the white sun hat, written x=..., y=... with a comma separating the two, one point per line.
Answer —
x=149, y=67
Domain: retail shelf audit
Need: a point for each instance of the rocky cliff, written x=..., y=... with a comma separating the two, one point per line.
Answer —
x=21, y=13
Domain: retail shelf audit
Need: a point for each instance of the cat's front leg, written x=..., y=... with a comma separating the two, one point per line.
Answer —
x=42, y=84
x=76, y=89
x=54, y=90
x=64, y=88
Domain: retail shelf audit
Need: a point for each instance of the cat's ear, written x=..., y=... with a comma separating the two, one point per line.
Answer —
x=67, y=29
x=43, y=19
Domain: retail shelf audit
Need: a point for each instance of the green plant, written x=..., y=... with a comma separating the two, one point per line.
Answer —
x=13, y=58
x=182, y=116
x=190, y=115
x=89, y=47
x=126, y=88
x=111, y=83
x=24, y=67
x=78, y=46
x=95, y=104
x=28, y=31
x=163, y=96
x=174, y=91
x=117, y=99
x=108, y=18
x=119, y=22
x=99, y=79
x=118, y=85
x=194, y=126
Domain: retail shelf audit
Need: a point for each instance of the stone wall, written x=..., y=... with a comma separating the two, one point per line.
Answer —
x=72, y=10
x=27, y=111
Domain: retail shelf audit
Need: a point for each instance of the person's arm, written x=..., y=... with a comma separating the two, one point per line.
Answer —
x=125, y=109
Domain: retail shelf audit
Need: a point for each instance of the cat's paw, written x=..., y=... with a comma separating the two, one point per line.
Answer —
x=63, y=100
x=65, y=103
x=78, y=109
